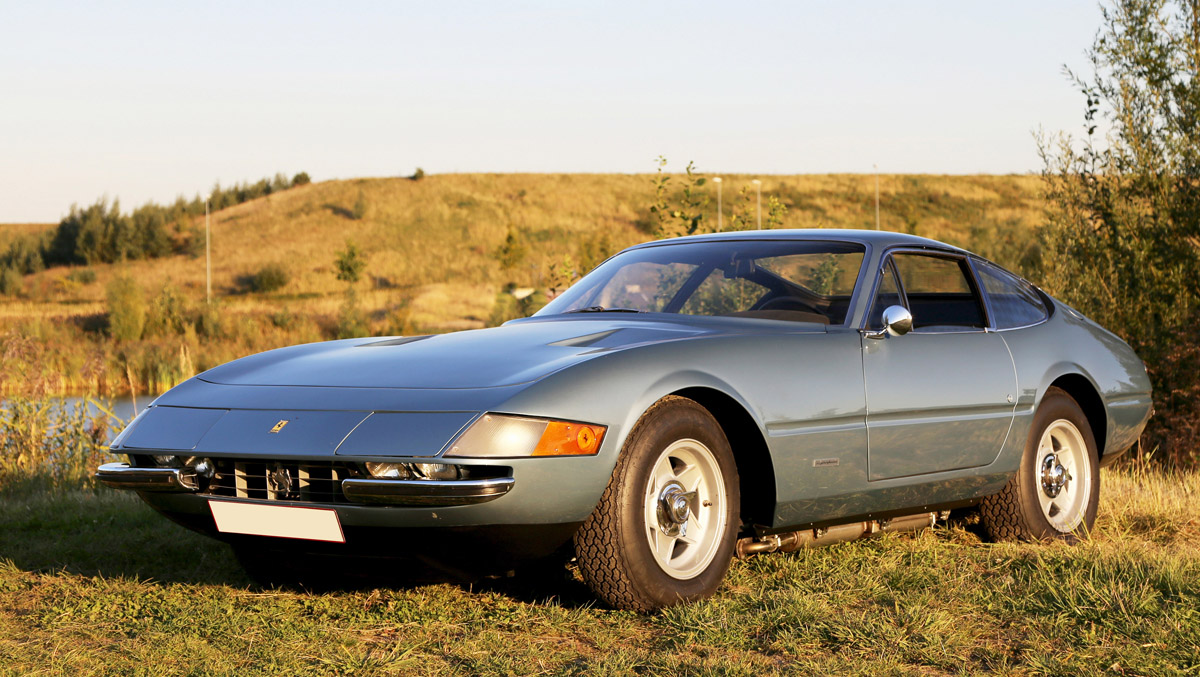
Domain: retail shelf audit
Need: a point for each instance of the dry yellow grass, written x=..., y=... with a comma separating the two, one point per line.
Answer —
x=432, y=250
x=445, y=229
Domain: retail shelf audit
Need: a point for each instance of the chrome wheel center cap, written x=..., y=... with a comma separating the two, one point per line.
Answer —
x=674, y=508
x=1054, y=476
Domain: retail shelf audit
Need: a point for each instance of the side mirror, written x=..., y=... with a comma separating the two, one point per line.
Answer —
x=897, y=321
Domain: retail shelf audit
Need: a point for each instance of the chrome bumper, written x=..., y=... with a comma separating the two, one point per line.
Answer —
x=367, y=491
x=122, y=476
x=425, y=492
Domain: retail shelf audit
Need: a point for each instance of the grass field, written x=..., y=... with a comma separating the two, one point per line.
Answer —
x=432, y=260
x=96, y=583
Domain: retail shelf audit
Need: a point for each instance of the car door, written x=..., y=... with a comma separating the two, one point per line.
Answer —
x=940, y=397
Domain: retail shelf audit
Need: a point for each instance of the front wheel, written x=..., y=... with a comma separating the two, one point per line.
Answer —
x=1056, y=490
x=665, y=528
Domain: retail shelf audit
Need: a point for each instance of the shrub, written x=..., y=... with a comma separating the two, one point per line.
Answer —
x=82, y=276
x=513, y=251
x=208, y=321
x=168, y=313
x=351, y=321
x=418, y=175
x=283, y=318
x=126, y=309
x=1124, y=208
x=301, y=179
x=269, y=278
x=11, y=282
x=350, y=263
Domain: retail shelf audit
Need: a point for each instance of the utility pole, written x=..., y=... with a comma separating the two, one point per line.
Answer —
x=876, y=196
x=720, y=215
x=758, y=190
x=207, y=259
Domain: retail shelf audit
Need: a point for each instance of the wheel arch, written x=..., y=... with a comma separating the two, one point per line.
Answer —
x=756, y=473
x=1084, y=392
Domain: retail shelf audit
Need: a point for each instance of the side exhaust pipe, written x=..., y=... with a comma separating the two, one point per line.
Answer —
x=812, y=538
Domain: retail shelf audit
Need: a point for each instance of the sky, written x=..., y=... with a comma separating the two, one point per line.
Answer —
x=149, y=100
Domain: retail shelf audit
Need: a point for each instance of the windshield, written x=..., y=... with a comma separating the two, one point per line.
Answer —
x=776, y=280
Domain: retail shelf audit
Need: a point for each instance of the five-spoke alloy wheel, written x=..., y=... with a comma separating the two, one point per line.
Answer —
x=665, y=529
x=685, y=509
x=1055, y=492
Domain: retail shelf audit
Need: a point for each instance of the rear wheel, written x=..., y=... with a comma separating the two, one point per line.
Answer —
x=1055, y=493
x=665, y=528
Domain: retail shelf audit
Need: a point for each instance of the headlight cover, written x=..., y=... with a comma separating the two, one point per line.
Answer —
x=505, y=436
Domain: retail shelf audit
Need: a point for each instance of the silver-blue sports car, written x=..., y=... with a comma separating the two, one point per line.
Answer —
x=687, y=401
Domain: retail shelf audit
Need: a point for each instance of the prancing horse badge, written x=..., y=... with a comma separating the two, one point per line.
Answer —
x=279, y=426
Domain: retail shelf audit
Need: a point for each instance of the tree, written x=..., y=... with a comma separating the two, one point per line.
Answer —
x=350, y=263
x=1122, y=243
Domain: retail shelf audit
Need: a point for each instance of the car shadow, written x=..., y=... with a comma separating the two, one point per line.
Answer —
x=115, y=535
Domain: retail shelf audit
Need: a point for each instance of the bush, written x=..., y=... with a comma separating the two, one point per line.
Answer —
x=168, y=314
x=1124, y=208
x=351, y=322
x=208, y=321
x=418, y=175
x=269, y=278
x=513, y=251
x=301, y=179
x=11, y=282
x=350, y=263
x=126, y=309
x=82, y=276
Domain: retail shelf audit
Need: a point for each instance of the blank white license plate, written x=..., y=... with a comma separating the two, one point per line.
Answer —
x=282, y=521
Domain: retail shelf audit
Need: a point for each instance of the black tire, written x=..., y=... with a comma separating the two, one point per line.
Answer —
x=612, y=547
x=1016, y=514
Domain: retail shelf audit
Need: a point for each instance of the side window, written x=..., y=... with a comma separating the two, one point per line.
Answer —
x=1014, y=302
x=938, y=291
x=888, y=294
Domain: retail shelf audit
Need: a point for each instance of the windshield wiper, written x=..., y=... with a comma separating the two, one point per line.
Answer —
x=602, y=309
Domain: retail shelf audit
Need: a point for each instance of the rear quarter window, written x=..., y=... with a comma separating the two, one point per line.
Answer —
x=1013, y=301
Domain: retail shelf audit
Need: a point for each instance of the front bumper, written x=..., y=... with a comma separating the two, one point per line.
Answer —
x=373, y=491
x=122, y=476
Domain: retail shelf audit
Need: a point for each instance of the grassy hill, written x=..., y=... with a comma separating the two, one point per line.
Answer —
x=432, y=257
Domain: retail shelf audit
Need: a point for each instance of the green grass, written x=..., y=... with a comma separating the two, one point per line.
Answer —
x=94, y=583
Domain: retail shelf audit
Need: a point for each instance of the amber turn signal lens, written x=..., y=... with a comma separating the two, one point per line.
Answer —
x=569, y=439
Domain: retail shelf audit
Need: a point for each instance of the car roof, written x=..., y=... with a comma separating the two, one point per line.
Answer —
x=877, y=238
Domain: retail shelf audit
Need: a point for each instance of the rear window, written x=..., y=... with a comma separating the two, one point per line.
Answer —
x=1014, y=302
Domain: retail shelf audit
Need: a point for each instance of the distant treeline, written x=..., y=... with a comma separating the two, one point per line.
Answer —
x=100, y=233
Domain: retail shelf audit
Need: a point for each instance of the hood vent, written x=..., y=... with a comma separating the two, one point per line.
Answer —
x=396, y=341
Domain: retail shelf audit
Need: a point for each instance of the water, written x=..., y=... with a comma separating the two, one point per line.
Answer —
x=122, y=407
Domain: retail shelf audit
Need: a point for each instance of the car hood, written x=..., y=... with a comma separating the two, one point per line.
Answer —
x=515, y=353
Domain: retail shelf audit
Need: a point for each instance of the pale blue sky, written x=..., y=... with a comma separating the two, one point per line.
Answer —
x=147, y=100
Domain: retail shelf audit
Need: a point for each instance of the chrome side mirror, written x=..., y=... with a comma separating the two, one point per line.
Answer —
x=897, y=321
